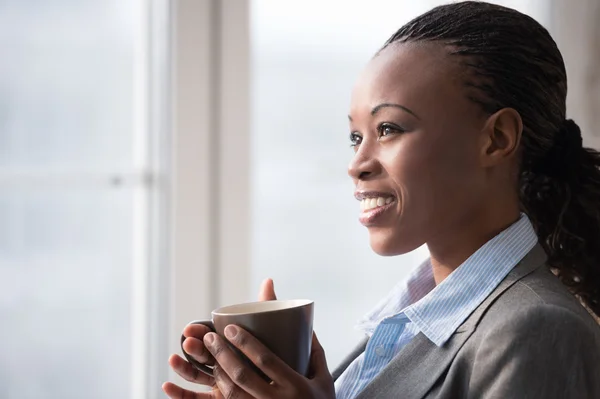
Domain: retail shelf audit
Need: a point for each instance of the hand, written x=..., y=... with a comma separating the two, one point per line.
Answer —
x=194, y=345
x=234, y=379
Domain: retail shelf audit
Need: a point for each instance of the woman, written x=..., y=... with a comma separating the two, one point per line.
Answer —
x=461, y=142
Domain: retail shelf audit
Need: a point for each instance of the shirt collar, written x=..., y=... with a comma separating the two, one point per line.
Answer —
x=437, y=311
x=418, y=283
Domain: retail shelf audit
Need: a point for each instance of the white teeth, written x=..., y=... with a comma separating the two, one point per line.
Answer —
x=372, y=203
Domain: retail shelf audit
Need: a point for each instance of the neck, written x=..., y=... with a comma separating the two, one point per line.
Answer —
x=452, y=247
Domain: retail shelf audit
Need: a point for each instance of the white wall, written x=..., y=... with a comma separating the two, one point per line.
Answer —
x=574, y=26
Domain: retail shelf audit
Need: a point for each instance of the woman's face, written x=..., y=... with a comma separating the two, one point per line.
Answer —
x=417, y=143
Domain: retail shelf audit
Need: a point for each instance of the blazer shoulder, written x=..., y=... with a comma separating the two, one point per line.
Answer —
x=539, y=350
x=538, y=297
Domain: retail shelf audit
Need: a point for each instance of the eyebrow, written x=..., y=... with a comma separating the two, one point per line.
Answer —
x=385, y=105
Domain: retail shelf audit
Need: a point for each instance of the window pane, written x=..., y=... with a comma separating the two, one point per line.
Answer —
x=306, y=57
x=65, y=275
x=66, y=243
x=66, y=83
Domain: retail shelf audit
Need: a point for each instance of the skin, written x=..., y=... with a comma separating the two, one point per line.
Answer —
x=452, y=171
x=233, y=379
x=451, y=168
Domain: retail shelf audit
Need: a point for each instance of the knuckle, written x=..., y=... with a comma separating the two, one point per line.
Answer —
x=190, y=373
x=241, y=340
x=239, y=375
x=228, y=390
x=217, y=350
x=232, y=393
x=264, y=360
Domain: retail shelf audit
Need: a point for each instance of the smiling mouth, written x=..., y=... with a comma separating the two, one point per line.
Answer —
x=374, y=206
x=367, y=204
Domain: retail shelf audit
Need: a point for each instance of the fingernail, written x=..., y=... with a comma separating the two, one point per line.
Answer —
x=231, y=331
x=209, y=338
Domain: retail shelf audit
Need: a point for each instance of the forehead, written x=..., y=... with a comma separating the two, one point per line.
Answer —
x=421, y=76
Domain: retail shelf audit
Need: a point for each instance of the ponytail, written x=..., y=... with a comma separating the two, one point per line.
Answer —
x=561, y=196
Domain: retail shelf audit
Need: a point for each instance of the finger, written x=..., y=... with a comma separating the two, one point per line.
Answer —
x=189, y=372
x=261, y=356
x=195, y=334
x=240, y=374
x=195, y=331
x=227, y=387
x=318, y=360
x=267, y=291
x=195, y=347
x=176, y=392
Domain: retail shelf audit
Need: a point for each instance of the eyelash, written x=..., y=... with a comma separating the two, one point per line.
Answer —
x=393, y=128
x=356, y=138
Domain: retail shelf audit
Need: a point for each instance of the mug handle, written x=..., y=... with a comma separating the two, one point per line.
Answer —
x=196, y=364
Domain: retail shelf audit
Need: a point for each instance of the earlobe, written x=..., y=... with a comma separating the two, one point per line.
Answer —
x=502, y=133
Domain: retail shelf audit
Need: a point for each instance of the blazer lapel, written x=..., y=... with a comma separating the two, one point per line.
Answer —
x=360, y=348
x=414, y=371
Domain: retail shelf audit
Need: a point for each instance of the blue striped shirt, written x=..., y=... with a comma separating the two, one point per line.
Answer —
x=418, y=305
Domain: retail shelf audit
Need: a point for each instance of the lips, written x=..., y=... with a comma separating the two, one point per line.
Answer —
x=373, y=206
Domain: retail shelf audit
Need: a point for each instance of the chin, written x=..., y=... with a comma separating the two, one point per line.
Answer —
x=389, y=244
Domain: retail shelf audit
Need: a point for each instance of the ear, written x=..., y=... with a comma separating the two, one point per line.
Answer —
x=501, y=137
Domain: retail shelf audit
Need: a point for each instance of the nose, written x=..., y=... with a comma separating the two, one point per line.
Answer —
x=364, y=165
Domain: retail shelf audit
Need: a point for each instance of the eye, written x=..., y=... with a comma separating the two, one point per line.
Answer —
x=387, y=129
x=355, y=139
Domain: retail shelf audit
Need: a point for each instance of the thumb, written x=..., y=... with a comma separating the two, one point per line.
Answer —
x=318, y=361
x=267, y=291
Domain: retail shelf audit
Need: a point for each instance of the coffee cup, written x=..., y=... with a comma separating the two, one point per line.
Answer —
x=284, y=326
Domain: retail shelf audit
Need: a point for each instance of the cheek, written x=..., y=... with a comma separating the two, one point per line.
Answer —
x=431, y=179
x=450, y=162
x=432, y=174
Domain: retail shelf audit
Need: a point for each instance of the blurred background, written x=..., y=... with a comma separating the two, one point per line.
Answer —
x=160, y=158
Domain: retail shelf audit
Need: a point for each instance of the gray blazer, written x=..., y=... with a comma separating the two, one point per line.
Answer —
x=529, y=339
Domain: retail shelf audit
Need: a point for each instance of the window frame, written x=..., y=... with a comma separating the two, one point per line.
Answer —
x=210, y=160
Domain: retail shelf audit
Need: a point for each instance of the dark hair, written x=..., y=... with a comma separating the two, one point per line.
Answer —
x=512, y=62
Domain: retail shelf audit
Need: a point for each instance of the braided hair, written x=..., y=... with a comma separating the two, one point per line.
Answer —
x=511, y=61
